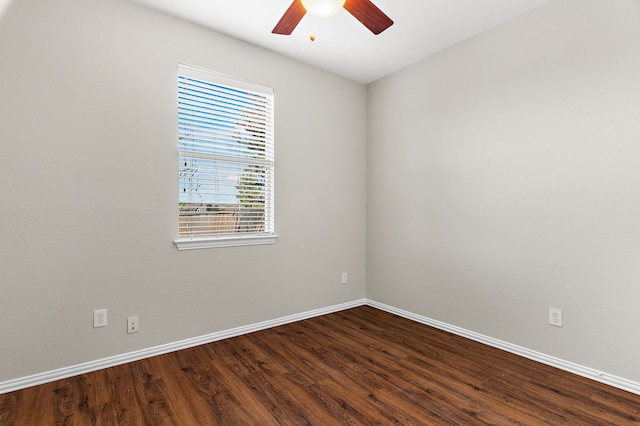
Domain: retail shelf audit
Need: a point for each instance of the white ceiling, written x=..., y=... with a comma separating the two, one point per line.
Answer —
x=343, y=45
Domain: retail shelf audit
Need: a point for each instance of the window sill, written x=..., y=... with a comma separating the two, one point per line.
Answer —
x=195, y=243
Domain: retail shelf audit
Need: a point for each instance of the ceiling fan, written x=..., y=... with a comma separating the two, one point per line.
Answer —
x=363, y=10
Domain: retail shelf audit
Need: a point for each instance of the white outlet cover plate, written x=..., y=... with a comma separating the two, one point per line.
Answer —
x=555, y=317
x=100, y=318
x=133, y=325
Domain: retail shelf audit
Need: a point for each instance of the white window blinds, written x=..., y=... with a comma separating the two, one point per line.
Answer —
x=226, y=158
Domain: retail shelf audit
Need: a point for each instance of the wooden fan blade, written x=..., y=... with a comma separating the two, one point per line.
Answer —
x=369, y=14
x=290, y=19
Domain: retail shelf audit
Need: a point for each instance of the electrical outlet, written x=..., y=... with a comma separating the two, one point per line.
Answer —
x=555, y=317
x=133, y=325
x=344, y=278
x=99, y=318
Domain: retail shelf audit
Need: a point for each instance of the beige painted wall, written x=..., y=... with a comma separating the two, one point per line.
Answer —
x=503, y=179
x=88, y=165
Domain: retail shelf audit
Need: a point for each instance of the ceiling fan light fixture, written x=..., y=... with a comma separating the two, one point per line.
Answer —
x=323, y=8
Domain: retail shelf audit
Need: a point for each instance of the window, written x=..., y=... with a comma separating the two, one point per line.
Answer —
x=226, y=161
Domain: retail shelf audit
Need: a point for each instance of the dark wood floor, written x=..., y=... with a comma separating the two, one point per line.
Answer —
x=359, y=366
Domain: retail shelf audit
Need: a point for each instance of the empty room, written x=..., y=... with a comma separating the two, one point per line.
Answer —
x=246, y=212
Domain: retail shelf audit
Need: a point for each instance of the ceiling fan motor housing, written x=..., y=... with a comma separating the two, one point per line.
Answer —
x=323, y=8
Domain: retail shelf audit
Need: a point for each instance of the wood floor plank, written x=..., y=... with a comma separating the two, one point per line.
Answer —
x=358, y=366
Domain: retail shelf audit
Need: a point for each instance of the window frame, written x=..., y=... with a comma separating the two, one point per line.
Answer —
x=250, y=238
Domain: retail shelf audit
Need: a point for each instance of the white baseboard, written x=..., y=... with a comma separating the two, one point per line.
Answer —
x=87, y=367
x=590, y=373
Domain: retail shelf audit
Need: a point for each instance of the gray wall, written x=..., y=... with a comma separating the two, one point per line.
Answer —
x=503, y=179
x=88, y=207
